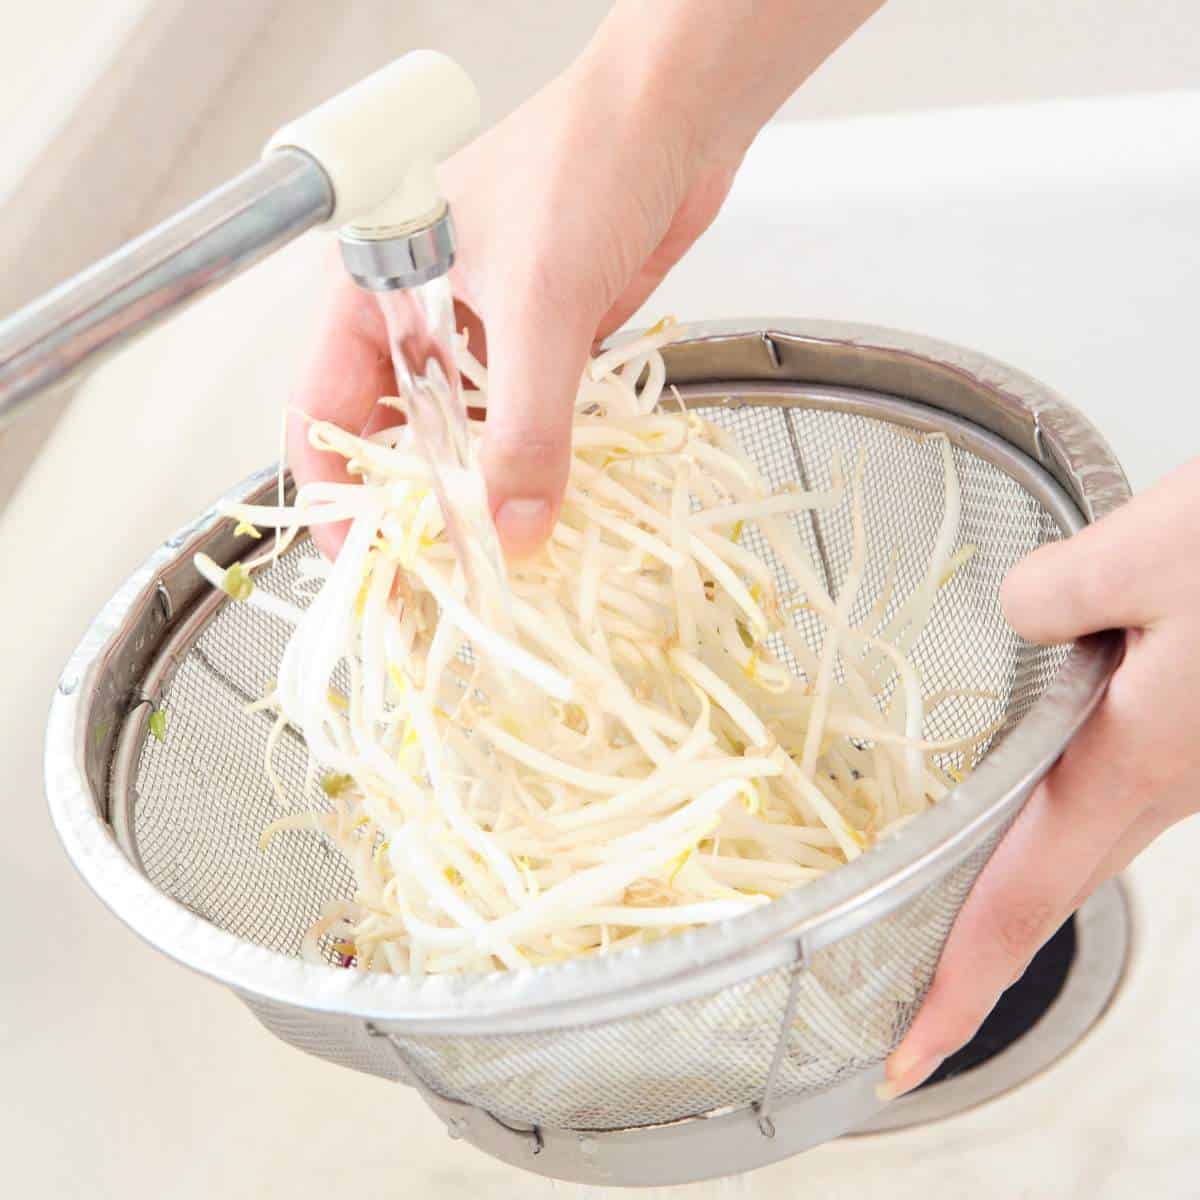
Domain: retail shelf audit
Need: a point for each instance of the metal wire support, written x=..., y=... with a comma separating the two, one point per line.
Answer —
x=803, y=475
x=458, y=1117
x=764, y=1107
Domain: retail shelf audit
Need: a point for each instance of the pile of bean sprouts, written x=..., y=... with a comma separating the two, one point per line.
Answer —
x=627, y=756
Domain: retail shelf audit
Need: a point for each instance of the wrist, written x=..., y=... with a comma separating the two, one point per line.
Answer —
x=631, y=118
x=711, y=73
x=659, y=64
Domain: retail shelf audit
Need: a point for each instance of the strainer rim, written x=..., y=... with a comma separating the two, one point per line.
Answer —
x=693, y=963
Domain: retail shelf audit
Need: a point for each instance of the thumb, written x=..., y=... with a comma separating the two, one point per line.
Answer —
x=1102, y=578
x=535, y=361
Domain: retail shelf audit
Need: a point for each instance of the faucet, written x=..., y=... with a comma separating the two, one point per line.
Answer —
x=362, y=163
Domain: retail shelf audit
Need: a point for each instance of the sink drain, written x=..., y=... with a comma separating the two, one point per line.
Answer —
x=1047, y=1011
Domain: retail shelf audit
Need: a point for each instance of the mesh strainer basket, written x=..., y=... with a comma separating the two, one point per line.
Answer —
x=698, y=1055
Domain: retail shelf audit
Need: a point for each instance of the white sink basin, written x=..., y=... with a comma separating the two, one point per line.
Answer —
x=1063, y=238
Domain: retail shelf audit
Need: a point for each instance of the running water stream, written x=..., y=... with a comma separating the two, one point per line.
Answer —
x=421, y=332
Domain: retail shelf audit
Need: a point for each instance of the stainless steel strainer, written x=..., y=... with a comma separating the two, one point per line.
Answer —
x=702, y=1054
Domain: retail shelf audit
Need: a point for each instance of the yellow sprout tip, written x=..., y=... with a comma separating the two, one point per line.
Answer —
x=158, y=724
x=334, y=784
x=237, y=584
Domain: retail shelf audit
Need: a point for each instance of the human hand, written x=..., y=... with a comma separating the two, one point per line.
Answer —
x=569, y=214
x=1132, y=771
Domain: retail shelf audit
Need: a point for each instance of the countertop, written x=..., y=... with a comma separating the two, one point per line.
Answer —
x=1062, y=237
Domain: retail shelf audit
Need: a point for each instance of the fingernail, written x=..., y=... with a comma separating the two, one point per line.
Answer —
x=523, y=522
x=904, y=1074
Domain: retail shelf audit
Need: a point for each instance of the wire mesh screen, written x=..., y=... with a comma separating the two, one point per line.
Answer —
x=854, y=1001
x=203, y=797
x=967, y=647
x=202, y=800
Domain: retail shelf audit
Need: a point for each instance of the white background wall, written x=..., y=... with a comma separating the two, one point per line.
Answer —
x=913, y=54
x=115, y=114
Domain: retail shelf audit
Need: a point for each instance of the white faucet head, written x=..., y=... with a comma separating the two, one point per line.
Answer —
x=380, y=141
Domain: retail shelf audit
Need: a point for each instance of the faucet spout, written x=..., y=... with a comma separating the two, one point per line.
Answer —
x=147, y=279
x=362, y=162
x=391, y=259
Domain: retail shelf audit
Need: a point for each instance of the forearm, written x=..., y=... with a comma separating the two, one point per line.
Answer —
x=719, y=69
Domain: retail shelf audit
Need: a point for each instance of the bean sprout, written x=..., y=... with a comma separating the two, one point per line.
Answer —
x=676, y=753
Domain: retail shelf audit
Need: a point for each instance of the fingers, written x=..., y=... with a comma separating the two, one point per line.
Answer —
x=1144, y=830
x=535, y=375
x=1095, y=580
x=1127, y=571
x=527, y=439
x=348, y=372
x=536, y=360
x=1031, y=885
